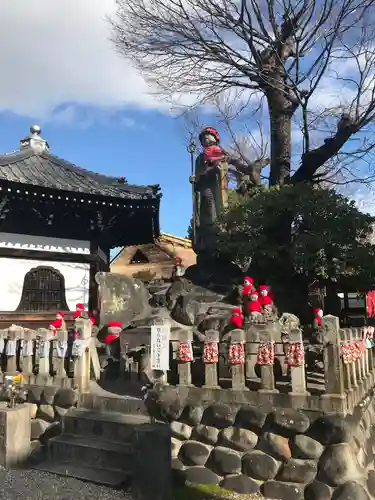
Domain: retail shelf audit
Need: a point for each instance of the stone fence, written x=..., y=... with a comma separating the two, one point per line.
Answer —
x=275, y=367
x=45, y=357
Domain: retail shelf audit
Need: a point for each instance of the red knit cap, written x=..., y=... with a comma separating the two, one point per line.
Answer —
x=80, y=307
x=263, y=287
x=249, y=279
x=61, y=314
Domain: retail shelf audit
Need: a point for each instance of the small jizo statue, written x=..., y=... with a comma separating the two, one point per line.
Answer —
x=254, y=306
x=178, y=269
x=57, y=323
x=236, y=319
x=248, y=286
x=265, y=300
x=318, y=315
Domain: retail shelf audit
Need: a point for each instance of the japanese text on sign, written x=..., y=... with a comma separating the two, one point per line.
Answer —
x=160, y=335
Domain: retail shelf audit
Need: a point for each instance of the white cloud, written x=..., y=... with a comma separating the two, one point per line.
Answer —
x=58, y=51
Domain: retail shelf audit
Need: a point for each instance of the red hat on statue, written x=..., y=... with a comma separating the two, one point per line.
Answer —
x=114, y=330
x=80, y=307
x=59, y=315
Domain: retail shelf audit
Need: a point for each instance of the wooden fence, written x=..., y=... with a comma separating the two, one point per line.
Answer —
x=64, y=359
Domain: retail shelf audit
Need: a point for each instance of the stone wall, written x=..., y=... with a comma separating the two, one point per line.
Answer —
x=47, y=407
x=282, y=453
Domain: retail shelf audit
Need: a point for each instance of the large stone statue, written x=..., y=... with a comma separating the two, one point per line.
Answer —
x=210, y=189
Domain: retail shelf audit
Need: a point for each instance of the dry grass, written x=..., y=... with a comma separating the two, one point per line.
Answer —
x=210, y=492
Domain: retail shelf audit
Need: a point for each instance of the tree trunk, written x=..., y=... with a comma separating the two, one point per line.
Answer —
x=281, y=139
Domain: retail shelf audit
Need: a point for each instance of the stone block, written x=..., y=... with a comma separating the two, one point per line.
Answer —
x=282, y=491
x=317, y=491
x=259, y=465
x=15, y=435
x=275, y=445
x=306, y=447
x=225, y=461
x=290, y=421
x=205, y=434
x=251, y=417
x=350, y=490
x=296, y=470
x=65, y=398
x=194, y=453
x=331, y=429
x=180, y=430
x=192, y=415
x=238, y=439
x=219, y=415
x=201, y=475
x=240, y=484
x=38, y=428
x=339, y=465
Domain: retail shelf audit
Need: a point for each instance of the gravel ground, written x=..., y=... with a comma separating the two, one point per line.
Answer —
x=37, y=485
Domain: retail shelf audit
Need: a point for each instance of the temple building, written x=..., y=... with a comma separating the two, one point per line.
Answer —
x=58, y=223
x=154, y=260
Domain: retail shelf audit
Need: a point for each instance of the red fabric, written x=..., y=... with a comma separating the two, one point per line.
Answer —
x=115, y=324
x=236, y=355
x=211, y=352
x=266, y=353
x=262, y=288
x=80, y=307
x=213, y=153
x=76, y=314
x=60, y=314
x=212, y=131
x=54, y=325
x=254, y=306
x=370, y=304
x=93, y=320
x=236, y=321
x=265, y=300
x=317, y=318
x=246, y=290
x=110, y=338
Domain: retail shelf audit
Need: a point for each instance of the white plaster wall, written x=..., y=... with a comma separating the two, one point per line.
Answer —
x=27, y=242
x=12, y=274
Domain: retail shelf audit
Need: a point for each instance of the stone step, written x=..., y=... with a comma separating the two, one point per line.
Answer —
x=130, y=405
x=92, y=452
x=109, y=426
x=115, y=479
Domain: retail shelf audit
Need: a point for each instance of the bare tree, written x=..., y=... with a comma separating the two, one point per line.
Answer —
x=284, y=50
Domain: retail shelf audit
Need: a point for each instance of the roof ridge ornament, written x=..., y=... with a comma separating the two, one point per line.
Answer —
x=34, y=140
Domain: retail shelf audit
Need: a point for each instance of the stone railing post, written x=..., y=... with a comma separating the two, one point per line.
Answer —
x=236, y=359
x=347, y=362
x=266, y=359
x=252, y=336
x=81, y=353
x=185, y=358
x=335, y=398
x=14, y=335
x=28, y=344
x=3, y=337
x=59, y=351
x=295, y=360
x=370, y=356
x=211, y=358
x=45, y=337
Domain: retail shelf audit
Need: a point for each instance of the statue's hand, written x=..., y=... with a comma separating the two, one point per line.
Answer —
x=192, y=179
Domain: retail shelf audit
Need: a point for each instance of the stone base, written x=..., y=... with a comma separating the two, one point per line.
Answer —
x=15, y=435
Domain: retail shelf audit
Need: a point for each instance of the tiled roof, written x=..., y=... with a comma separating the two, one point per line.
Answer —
x=46, y=170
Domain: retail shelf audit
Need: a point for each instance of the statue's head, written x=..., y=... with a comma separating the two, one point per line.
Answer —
x=263, y=290
x=318, y=312
x=209, y=137
x=254, y=296
x=248, y=281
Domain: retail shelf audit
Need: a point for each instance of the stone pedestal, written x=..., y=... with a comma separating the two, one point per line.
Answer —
x=15, y=435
